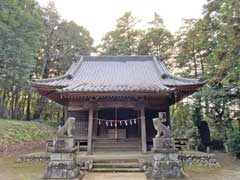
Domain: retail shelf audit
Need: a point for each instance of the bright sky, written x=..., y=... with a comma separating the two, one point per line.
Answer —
x=99, y=16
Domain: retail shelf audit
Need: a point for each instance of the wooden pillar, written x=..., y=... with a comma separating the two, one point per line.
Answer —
x=90, y=128
x=143, y=131
x=139, y=123
x=65, y=114
x=168, y=116
x=95, y=124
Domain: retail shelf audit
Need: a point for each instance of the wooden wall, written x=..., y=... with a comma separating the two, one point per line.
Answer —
x=81, y=122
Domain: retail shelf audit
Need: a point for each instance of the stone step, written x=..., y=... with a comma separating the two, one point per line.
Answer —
x=115, y=145
x=115, y=170
x=118, y=142
x=116, y=165
x=116, y=161
x=114, y=142
x=116, y=148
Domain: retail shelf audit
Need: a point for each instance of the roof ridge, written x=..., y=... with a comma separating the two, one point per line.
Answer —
x=119, y=57
x=158, y=67
x=75, y=69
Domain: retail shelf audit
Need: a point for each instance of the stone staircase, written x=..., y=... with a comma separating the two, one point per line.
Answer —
x=116, y=165
x=111, y=145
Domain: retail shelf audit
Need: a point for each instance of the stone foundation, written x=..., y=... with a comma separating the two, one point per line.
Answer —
x=163, y=144
x=62, y=166
x=59, y=170
x=165, y=163
x=165, y=166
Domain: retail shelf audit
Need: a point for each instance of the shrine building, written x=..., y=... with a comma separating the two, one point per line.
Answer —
x=115, y=98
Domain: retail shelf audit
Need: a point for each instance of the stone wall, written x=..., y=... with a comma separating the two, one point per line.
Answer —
x=190, y=158
x=198, y=159
x=34, y=157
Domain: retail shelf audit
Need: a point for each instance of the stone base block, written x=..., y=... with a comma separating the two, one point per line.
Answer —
x=163, y=143
x=165, y=156
x=62, y=166
x=61, y=171
x=165, y=166
x=165, y=170
x=63, y=157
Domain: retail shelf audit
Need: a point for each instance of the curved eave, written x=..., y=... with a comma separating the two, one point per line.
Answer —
x=198, y=84
x=45, y=86
x=139, y=90
x=182, y=92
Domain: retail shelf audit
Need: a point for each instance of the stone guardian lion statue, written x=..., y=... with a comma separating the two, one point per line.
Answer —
x=67, y=129
x=162, y=130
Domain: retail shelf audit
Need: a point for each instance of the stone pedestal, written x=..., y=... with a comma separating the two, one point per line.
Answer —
x=62, y=163
x=165, y=163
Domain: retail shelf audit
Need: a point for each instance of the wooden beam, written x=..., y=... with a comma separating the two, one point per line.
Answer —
x=143, y=131
x=90, y=128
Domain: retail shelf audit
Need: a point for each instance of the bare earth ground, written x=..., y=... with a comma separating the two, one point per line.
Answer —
x=10, y=170
x=115, y=176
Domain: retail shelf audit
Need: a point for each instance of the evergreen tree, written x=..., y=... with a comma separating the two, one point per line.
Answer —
x=20, y=29
x=157, y=41
x=123, y=40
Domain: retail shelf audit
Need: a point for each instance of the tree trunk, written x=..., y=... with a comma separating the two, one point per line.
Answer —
x=16, y=104
x=239, y=124
x=28, y=113
x=12, y=105
x=195, y=67
x=3, y=103
x=41, y=102
x=202, y=66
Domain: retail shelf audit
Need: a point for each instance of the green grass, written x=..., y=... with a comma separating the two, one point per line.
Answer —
x=196, y=169
x=10, y=170
x=16, y=131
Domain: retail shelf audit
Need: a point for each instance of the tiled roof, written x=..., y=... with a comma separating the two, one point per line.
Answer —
x=117, y=74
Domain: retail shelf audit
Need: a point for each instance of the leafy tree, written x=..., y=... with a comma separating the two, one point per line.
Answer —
x=223, y=20
x=191, y=58
x=34, y=43
x=62, y=40
x=157, y=41
x=20, y=29
x=234, y=142
x=192, y=48
x=123, y=40
x=209, y=47
x=181, y=118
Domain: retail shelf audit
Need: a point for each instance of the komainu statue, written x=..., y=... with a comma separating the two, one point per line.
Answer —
x=63, y=163
x=165, y=163
x=67, y=129
x=162, y=130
